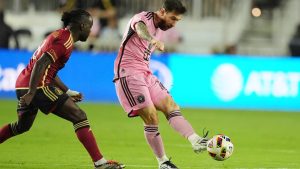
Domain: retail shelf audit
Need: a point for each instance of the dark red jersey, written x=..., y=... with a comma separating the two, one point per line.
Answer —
x=59, y=45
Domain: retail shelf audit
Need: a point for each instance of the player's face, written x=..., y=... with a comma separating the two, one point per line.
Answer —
x=86, y=29
x=168, y=20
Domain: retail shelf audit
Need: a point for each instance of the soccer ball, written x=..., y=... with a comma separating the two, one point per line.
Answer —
x=220, y=147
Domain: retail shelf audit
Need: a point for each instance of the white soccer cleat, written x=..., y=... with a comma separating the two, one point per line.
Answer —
x=110, y=164
x=200, y=145
x=167, y=165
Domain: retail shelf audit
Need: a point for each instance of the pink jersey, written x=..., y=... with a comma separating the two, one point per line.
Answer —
x=134, y=54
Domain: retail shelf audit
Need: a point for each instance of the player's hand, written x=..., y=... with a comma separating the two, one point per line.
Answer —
x=26, y=99
x=158, y=44
x=75, y=96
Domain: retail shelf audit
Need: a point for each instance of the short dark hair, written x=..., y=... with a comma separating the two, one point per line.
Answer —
x=174, y=6
x=74, y=16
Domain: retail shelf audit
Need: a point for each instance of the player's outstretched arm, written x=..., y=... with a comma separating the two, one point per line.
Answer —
x=143, y=33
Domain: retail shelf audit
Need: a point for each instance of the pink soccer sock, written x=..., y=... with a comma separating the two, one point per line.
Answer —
x=180, y=124
x=5, y=133
x=154, y=140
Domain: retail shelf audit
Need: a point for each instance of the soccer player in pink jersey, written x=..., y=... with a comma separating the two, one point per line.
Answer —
x=38, y=87
x=139, y=91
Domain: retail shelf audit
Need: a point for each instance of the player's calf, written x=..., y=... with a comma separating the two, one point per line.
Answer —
x=12, y=129
x=20, y=128
x=5, y=133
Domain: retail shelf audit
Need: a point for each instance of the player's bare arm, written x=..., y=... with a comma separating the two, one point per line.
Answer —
x=143, y=33
x=37, y=72
x=75, y=96
x=60, y=84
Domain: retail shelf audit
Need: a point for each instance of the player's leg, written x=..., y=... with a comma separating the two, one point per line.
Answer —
x=23, y=124
x=165, y=103
x=26, y=116
x=153, y=137
x=172, y=112
x=134, y=96
x=71, y=112
x=150, y=117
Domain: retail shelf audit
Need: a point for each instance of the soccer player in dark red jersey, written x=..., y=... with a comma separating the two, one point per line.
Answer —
x=39, y=88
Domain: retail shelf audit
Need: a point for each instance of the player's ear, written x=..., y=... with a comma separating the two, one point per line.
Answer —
x=162, y=11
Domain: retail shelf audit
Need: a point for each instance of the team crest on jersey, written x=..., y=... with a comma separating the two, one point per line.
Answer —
x=141, y=98
x=58, y=91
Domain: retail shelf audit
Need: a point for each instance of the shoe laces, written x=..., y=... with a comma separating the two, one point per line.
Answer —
x=205, y=133
x=204, y=138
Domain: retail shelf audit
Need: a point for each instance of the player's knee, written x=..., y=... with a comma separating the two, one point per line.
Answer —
x=170, y=105
x=81, y=121
x=78, y=115
x=151, y=118
x=82, y=115
x=151, y=121
x=149, y=115
x=175, y=106
x=171, y=109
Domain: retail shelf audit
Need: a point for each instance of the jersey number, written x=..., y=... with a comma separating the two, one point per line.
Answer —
x=147, y=52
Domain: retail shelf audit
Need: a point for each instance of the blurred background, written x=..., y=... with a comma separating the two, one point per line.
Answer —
x=251, y=27
x=244, y=51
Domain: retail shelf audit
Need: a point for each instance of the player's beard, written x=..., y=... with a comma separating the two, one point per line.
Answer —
x=163, y=25
x=83, y=38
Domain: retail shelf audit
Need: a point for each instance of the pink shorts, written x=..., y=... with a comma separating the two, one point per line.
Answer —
x=139, y=91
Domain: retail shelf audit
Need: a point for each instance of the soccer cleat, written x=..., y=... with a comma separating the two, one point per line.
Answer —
x=168, y=165
x=110, y=164
x=201, y=144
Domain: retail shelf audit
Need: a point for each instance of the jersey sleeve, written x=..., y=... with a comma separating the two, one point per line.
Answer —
x=57, y=47
x=141, y=17
x=56, y=50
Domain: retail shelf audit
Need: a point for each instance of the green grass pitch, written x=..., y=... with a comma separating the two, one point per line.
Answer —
x=261, y=140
